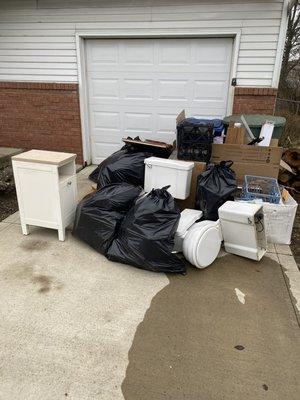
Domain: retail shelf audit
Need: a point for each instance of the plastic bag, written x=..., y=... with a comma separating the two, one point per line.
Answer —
x=146, y=236
x=126, y=165
x=99, y=215
x=123, y=166
x=215, y=185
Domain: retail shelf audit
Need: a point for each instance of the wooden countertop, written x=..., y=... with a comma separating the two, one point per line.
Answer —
x=45, y=157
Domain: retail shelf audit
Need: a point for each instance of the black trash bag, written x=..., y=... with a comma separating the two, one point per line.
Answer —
x=215, y=185
x=126, y=165
x=99, y=215
x=123, y=166
x=146, y=236
x=93, y=176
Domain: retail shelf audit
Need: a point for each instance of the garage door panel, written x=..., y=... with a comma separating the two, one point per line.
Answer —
x=103, y=150
x=137, y=52
x=174, y=53
x=137, y=89
x=106, y=119
x=138, y=122
x=104, y=88
x=154, y=69
x=173, y=89
x=131, y=89
x=214, y=53
x=138, y=86
x=102, y=135
x=103, y=52
x=210, y=90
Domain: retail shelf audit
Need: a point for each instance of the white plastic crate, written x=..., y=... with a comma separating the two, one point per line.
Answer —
x=279, y=220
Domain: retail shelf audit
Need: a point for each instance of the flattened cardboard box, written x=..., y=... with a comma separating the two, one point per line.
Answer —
x=246, y=154
x=242, y=169
x=190, y=201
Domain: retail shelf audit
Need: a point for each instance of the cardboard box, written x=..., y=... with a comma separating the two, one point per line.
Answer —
x=198, y=167
x=242, y=153
x=190, y=201
x=258, y=169
x=235, y=135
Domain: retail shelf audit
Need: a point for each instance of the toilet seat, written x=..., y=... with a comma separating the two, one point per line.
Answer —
x=202, y=243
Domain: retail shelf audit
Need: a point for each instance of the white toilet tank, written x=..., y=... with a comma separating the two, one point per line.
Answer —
x=160, y=172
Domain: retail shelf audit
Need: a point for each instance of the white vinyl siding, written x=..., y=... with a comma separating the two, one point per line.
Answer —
x=37, y=37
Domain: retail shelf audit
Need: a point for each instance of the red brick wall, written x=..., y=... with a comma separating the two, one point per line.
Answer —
x=41, y=116
x=46, y=115
x=254, y=100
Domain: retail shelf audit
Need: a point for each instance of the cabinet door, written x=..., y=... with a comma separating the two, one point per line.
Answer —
x=68, y=201
x=37, y=196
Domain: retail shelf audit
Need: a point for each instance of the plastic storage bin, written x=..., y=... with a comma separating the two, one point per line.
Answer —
x=261, y=187
x=255, y=122
x=160, y=172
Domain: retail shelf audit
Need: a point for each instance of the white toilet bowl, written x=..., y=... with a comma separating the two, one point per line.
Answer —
x=202, y=243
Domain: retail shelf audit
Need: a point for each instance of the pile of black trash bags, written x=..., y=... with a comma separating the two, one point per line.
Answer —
x=129, y=226
x=125, y=224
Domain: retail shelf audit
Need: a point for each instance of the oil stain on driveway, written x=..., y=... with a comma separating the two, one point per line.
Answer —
x=199, y=342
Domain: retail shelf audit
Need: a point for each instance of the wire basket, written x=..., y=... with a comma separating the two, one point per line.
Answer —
x=261, y=187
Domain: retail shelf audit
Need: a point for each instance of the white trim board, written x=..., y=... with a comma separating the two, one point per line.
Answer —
x=280, y=44
x=81, y=65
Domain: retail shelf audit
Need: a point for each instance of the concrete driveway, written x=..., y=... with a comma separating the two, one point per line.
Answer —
x=74, y=325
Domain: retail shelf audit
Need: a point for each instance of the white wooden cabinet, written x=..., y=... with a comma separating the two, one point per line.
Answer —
x=46, y=189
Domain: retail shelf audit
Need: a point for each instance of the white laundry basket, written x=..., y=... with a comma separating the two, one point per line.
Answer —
x=160, y=172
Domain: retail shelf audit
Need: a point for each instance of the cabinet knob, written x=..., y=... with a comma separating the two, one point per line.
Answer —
x=69, y=183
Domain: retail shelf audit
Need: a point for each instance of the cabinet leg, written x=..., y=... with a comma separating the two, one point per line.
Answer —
x=25, y=229
x=61, y=234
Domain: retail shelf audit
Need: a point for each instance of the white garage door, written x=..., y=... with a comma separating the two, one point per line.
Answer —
x=138, y=86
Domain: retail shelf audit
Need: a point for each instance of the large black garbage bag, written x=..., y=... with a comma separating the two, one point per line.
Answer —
x=123, y=166
x=146, y=236
x=98, y=215
x=126, y=165
x=215, y=185
x=93, y=176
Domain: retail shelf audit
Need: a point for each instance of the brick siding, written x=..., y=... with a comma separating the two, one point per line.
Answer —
x=41, y=116
x=46, y=115
x=254, y=100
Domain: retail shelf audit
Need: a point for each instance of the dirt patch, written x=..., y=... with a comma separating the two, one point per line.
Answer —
x=24, y=273
x=33, y=245
x=187, y=345
x=44, y=281
x=8, y=198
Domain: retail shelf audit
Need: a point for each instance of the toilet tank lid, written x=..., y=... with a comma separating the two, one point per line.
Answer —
x=167, y=163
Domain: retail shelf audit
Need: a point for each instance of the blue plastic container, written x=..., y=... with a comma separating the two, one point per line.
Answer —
x=261, y=187
x=217, y=124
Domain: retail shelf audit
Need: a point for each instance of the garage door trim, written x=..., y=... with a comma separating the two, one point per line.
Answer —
x=82, y=78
